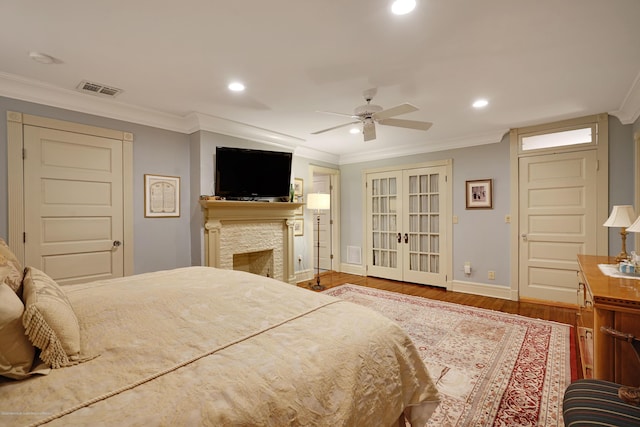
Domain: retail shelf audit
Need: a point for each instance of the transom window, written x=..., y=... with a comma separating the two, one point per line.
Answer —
x=580, y=136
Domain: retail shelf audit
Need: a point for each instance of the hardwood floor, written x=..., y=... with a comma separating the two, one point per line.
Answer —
x=536, y=311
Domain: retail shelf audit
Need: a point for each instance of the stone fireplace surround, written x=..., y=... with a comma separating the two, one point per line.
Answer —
x=245, y=228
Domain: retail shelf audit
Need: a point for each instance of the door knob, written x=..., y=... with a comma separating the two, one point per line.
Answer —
x=524, y=236
x=399, y=238
x=406, y=238
x=116, y=243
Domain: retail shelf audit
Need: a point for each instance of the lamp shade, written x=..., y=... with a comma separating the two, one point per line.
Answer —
x=318, y=201
x=621, y=216
x=635, y=227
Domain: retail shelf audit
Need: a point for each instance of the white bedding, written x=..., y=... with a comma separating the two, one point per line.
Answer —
x=204, y=346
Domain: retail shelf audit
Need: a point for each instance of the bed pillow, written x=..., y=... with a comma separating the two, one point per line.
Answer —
x=16, y=351
x=10, y=269
x=49, y=320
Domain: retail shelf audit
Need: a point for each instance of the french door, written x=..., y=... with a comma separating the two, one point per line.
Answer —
x=407, y=233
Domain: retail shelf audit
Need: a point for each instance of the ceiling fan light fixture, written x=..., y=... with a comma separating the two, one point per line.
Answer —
x=402, y=7
x=369, y=115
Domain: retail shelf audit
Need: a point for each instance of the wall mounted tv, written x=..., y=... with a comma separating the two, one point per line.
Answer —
x=247, y=174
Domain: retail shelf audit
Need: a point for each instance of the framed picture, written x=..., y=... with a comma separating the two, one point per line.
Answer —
x=298, y=195
x=161, y=196
x=298, y=227
x=480, y=194
x=298, y=188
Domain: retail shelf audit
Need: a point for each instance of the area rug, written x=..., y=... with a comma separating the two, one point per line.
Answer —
x=491, y=368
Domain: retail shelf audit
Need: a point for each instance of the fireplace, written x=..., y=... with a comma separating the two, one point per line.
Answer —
x=251, y=236
x=260, y=263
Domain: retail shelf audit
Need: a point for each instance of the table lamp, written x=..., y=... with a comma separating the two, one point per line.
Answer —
x=635, y=228
x=318, y=202
x=621, y=216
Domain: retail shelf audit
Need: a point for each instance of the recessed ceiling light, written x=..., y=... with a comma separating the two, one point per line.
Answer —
x=354, y=131
x=236, y=87
x=402, y=7
x=480, y=103
x=42, y=58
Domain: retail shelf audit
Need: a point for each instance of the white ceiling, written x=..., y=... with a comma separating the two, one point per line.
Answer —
x=535, y=61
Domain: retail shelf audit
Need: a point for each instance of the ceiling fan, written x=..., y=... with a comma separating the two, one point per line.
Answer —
x=369, y=114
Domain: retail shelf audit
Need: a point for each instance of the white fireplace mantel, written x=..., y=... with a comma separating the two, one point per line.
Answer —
x=232, y=226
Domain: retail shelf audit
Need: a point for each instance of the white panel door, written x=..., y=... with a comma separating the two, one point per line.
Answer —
x=73, y=205
x=406, y=225
x=557, y=222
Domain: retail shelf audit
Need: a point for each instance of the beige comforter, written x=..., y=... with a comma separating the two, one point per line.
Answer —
x=203, y=346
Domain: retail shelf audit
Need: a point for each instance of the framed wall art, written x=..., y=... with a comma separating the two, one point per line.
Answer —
x=298, y=188
x=480, y=194
x=298, y=227
x=298, y=194
x=161, y=196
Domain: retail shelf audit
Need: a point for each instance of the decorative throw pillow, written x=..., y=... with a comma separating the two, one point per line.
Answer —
x=10, y=269
x=49, y=320
x=16, y=352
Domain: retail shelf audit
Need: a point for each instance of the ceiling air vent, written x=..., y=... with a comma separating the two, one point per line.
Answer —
x=98, y=89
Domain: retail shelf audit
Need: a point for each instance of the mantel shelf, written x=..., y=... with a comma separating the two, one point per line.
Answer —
x=233, y=209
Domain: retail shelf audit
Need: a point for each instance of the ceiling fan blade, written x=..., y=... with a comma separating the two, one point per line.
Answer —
x=395, y=111
x=369, y=131
x=410, y=124
x=338, y=114
x=335, y=127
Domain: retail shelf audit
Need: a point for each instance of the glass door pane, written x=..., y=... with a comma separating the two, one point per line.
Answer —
x=384, y=220
x=423, y=222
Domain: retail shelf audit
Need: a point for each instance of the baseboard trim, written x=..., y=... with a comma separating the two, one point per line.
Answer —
x=551, y=303
x=483, y=289
x=356, y=269
x=304, y=276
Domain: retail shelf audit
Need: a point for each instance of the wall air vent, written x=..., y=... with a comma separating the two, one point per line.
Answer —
x=98, y=89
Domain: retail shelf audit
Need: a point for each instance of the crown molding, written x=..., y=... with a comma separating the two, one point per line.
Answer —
x=630, y=108
x=29, y=90
x=313, y=154
x=491, y=137
x=205, y=122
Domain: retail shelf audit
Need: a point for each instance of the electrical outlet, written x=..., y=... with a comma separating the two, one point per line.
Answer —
x=492, y=275
x=467, y=267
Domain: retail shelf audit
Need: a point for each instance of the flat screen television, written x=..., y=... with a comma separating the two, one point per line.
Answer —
x=247, y=174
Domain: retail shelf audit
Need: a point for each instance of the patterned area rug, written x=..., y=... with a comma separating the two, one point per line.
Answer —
x=491, y=368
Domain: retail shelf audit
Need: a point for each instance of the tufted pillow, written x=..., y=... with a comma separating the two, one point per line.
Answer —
x=10, y=269
x=16, y=352
x=49, y=320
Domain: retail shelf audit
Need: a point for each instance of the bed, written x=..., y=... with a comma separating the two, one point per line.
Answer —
x=205, y=346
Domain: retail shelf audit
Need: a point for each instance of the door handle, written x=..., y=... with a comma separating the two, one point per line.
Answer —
x=399, y=238
x=406, y=238
x=116, y=243
x=524, y=236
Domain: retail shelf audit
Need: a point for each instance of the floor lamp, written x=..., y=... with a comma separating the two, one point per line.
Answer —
x=621, y=216
x=318, y=202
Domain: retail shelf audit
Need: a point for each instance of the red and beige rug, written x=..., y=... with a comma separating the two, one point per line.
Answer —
x=491, y=368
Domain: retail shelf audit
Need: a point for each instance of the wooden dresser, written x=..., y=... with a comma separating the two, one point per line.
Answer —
x=610, y=302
